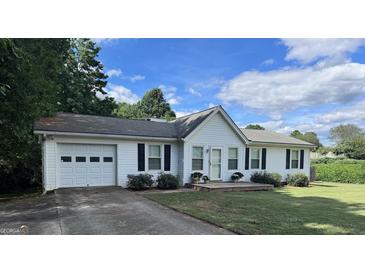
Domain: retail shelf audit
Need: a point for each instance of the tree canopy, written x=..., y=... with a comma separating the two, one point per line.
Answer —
x=39, y=77
x=343, y=133
x=254, y=126
x=310, y=137
x=153, y=104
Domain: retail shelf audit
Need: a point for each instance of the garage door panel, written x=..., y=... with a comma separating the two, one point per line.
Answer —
x=87, y=171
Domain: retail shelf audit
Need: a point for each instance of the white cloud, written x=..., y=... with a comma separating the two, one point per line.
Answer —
x=268, y=62
x=137, y=77
x=354, y=114
x=114, y=72
x=174, y=101
x=194, y=92
x=121, y=94
x=309, y=50
x=210, y=105
x=170, y=94
x=278, y=91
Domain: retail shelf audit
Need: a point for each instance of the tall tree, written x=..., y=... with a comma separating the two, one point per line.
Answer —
x=153, y=104
x=255, y=126
x=39, y=77
x=343, y=133
x=310, y=137
x=83, y=81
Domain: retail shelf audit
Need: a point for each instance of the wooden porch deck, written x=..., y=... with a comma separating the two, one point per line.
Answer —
x=230, y=186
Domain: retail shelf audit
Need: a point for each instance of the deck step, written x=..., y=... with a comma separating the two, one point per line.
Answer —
x=227, y=187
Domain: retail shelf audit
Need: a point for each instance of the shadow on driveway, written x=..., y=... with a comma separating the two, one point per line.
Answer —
x=107, y=210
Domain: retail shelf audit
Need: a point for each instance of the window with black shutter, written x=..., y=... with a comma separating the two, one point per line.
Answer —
x=302, y=159
x=263, y=161
x=247, y=159
x=167, y=157
x=141, y=157
x=287, y=166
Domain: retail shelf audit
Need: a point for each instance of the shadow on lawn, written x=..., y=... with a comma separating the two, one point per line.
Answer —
x=318, y=215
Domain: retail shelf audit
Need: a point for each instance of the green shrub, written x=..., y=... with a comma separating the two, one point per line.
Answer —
x=140, y=181
x=341, y=172
x=299, y=179
x=266, y=178
x=167, y=181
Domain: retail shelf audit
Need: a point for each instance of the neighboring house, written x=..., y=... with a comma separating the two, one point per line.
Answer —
x=85, y=150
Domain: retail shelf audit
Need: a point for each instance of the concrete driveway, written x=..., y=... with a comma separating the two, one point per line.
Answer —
x=109, y=210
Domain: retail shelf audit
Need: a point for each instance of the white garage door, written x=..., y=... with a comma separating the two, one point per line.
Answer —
x=86, y=165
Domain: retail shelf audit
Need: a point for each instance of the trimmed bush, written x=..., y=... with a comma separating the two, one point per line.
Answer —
x=167, y=181
x=341, y=172
x=140, y=181
x=266, y=178
x=298, y=179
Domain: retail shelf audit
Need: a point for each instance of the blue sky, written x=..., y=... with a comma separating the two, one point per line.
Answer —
x=283, y=84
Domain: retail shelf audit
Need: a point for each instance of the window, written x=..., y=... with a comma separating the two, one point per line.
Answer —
x=197, y=163
x=154, y=157
x=108, y=159
x=294, y=159
x=232, y=158
x=65, y=159
x=255, y=158
x=80, y=159
x=94, y=159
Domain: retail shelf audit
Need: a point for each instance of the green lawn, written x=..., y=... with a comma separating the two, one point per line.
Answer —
x=322, y=208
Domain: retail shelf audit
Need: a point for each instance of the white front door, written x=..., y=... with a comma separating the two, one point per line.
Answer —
x=216, y=164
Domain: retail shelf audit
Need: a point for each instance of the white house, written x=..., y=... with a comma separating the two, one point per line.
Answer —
x=85, y=150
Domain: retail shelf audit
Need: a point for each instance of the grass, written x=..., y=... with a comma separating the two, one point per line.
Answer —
x=322, y=208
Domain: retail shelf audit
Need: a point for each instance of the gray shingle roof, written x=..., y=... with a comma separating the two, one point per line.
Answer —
x=179, y=128
x=266, y=136
x=79, y=123
x=186, y=124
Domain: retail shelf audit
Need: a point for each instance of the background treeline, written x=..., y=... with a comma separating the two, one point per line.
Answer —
x=40, y=77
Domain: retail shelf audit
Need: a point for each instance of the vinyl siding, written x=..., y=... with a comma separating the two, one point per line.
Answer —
x=276, y=160
x=215, y=133
x=126, y=158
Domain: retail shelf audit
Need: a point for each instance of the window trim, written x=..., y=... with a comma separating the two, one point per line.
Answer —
x=291, y=158
x=192, y=158
x=80, y=157
x=64, y=156
x=233, y=158
x=108, y=161
x=260, y=156
x=98, y=161
x=148, y=157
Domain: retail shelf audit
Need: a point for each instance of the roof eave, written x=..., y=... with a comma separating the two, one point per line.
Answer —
x=282, y=144
x=100, y=135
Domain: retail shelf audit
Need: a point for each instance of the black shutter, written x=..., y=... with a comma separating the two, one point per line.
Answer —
x=167, y=157
x=302, y=159
x=288, y=159
x=247, y=159
x=263, y=161
x=141, y=158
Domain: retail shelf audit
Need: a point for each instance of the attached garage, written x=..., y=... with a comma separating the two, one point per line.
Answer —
x=81, y=165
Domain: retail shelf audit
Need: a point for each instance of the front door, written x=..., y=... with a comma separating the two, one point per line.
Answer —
x=216, y=164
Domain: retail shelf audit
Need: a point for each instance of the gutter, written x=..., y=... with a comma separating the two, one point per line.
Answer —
x=112, y=136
